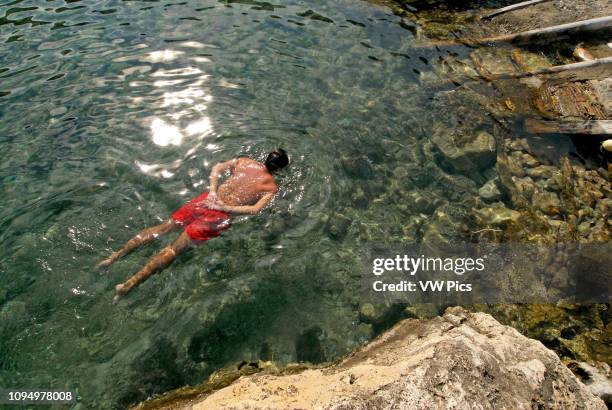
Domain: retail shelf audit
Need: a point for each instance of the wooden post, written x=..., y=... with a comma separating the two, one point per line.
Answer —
x=512, y=7
x=550, y=70
x=527, y=36
x=530, y=36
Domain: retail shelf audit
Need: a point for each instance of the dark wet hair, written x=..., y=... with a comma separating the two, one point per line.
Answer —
x=276, y=160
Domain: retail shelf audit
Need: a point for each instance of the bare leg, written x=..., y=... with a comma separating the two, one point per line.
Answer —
x=157, y=263
x=146, y=236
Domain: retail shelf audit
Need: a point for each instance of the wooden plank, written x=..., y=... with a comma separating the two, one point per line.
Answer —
x=512, y=7
x=596, y=127
x=531, y=36
x=527, y=36
x=552, y=70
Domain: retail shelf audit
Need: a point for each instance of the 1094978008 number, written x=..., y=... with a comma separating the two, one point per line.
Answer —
x=35, y=396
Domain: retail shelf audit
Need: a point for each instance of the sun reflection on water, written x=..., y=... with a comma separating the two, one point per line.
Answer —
x=193, y=99
x=202, y=127
x=164, y=134
x=179, y=118
x=162, y=56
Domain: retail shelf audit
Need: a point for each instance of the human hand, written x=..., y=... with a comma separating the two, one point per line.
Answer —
x=218, y=206
x=212, y=197
x=212, y=202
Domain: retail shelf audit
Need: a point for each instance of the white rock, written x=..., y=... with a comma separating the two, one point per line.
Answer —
x=461, y=360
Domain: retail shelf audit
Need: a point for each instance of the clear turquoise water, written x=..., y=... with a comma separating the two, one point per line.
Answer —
x=112, y=114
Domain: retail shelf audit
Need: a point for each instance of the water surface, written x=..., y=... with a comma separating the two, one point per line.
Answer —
x=112, y=114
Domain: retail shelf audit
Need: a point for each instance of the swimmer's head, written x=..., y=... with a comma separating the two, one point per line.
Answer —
x=276, y=160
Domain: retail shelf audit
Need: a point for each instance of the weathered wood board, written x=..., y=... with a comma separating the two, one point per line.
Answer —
x=597, y=127
x=569, y=101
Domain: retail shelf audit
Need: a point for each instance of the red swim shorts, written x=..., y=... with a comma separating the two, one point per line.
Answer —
x=201, y=223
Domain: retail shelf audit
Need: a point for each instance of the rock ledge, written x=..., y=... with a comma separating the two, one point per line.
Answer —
x=458, y=360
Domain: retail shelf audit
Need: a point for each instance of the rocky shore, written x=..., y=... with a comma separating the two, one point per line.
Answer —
x=544, y=190
x=458, y=360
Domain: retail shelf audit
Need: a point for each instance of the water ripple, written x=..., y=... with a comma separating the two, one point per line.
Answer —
x=113, y=114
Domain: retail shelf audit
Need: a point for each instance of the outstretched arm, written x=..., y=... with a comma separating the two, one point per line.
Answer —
x=216, y=171
x=248, y=209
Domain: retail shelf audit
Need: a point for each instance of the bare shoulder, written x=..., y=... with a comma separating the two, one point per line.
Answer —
x=227, y=164
x=268, y=183
x=247, y=161
x=272, y=186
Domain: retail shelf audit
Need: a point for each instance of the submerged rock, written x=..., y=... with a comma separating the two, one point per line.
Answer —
x=423, y=310
x=529, y=160
x=515, y=167
x=460, y=134
x=422, y=203
x=337, y=226
x=357, y=166
x=367, y=313
x=542, y=171
x=496, y=216
x=490, y=191
x=466, y=152
x=459, y=360
x=449, y=225
x=547, y=202
x=419, y=175
x=359, y=198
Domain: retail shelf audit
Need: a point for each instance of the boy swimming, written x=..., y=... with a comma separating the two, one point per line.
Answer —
x=248, y=189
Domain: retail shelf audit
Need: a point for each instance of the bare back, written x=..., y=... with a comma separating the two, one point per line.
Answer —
x=249, y=181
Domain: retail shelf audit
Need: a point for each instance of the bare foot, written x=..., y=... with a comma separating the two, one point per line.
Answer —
x=103, y=265
x=121, y=291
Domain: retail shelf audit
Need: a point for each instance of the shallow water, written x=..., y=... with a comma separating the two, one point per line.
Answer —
x=112, y=114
